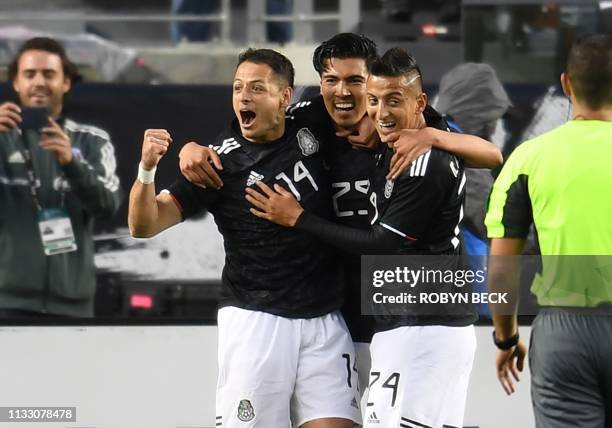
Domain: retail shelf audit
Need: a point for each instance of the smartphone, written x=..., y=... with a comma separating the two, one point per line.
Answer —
x=34, y=118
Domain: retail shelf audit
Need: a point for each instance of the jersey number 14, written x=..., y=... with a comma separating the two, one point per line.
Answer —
x=299, y=173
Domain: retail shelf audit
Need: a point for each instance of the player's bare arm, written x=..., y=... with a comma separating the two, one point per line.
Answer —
x=149, y=214
x=409, y=144
x=199, y=165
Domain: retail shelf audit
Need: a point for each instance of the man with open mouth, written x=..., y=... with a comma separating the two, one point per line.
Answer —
x=341, y=63
x=285, y=353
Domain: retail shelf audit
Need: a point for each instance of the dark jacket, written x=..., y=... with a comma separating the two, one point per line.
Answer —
x=87, y=187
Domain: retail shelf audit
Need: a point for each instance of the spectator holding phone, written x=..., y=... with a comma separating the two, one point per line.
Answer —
x=55, y=176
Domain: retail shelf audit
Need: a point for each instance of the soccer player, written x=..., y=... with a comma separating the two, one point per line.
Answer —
x=561, y=182
x=341, y=65
x=418, y=362
x=284, y=349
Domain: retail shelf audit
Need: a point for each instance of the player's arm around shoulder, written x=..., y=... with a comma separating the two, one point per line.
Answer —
x=149, y=214
x=411, y=143
x=200, y=165
x=475, y=151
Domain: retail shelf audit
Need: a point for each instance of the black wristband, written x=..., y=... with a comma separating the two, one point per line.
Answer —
x=504, y=345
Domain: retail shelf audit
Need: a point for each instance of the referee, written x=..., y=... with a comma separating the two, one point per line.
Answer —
x=562, y=182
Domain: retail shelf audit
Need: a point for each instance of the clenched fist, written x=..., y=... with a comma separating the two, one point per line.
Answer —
x=155, y=144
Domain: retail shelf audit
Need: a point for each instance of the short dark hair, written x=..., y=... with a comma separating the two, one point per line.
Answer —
x=343, y=46
x=278, y=62
x=46, y=44
x=396, y=62
x=589, y=67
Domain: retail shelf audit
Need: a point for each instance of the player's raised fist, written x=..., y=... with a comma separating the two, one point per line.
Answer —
x=155, y=144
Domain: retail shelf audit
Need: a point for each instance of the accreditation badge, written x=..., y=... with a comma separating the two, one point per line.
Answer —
x=56, y=231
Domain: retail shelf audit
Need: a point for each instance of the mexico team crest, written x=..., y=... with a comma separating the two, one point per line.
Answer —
x=389, y=188
x=308, y=143
x=246, y=413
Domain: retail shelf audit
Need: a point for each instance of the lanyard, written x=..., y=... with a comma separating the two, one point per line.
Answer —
x=27, y=157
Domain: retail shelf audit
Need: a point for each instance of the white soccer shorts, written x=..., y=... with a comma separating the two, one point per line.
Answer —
x=274, y=371
x=419, y=377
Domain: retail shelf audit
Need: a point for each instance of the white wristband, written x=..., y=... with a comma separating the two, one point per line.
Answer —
x=146, y=176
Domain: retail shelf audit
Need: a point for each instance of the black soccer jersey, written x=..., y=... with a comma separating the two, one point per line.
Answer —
x=268, y=267
x=424, y=205
x=354, y=200
x=349, y=172
x=354, y=204
x=418, y=213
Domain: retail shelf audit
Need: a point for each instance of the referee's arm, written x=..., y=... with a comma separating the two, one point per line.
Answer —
x=504, y=276
x=508, y=219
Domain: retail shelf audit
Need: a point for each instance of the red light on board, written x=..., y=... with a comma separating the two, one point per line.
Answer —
x=142, y=301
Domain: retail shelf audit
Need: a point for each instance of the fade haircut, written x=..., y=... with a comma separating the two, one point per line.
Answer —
x=396, y=62
x=279, y=63
x=343, y=46
x=589, y=67
x=48, y=45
